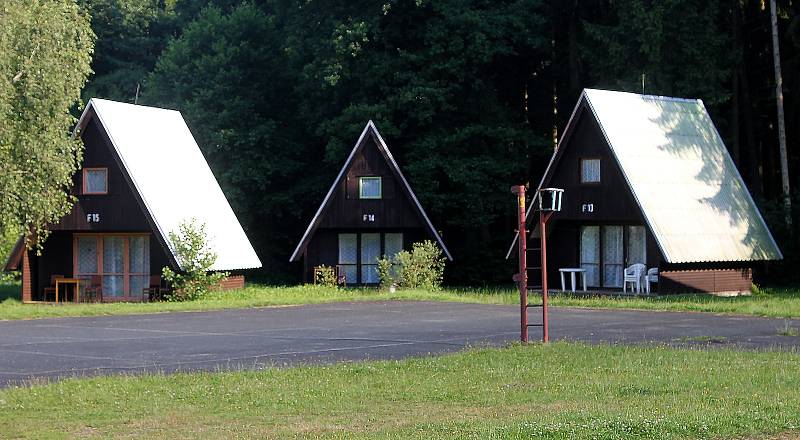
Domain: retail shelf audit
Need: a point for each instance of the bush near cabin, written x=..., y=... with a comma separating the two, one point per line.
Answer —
x=195, y=259
x=422, y=268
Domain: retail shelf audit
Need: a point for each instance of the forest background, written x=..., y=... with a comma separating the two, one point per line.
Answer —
x=469, y=94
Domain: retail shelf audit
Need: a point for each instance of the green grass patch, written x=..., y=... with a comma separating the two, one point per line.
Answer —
x=558, y=391
x=783, y=303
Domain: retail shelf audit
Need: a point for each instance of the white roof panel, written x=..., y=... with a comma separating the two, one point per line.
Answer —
x=683, y=178
x=173, y=178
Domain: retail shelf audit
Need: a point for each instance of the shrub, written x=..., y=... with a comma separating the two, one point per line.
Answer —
x=422, y=268
x=387, y=272
x=325, y=276
x=195, y=260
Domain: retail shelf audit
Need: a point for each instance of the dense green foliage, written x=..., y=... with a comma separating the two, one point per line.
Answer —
x=195, y=278
x=469, y=95
x=554, y=391
x=45, y=51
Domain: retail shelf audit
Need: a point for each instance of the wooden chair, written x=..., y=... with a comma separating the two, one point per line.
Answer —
x=153, y=291
x=93, y=292
x=52, y=287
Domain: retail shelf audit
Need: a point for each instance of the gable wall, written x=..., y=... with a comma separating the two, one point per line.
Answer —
x=346, y=210
x=611, y=198
x=119, y=211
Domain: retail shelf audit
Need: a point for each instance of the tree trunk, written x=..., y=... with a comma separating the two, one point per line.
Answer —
x=754, y=156
x=776, y=59
x=736, y=24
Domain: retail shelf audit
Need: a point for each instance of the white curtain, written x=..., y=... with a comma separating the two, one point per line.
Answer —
x=590, y=170
x=637, y=246
x=87, y=256
x=113, y=266
x=612, y=256
x=590, y=254
x=96, y=181
x=370, y=187
x=348, y=257
x=370, y=252
x=139, y=261
x=393, y=242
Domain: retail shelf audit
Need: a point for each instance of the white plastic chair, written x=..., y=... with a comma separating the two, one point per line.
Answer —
x=633, y=274
x=651, y=277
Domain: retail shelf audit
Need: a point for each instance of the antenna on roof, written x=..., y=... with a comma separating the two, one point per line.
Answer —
x=136, y=98
x=643, y=76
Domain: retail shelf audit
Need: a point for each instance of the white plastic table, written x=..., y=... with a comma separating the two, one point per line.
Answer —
x=572, y=271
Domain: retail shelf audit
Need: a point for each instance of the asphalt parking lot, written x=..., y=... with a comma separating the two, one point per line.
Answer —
x=324, y=333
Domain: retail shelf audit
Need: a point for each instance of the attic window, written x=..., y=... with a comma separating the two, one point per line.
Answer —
x=590, y=170
x=95, y=181
x=369, y=188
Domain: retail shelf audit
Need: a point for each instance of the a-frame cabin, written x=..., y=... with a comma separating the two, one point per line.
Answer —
x=370, y=211
x=142, y=175
x=647, y=179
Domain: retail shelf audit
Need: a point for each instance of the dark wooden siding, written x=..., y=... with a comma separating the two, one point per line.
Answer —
x=119, y=210
x=55, y=259
x=612, y=199
x=393, y=210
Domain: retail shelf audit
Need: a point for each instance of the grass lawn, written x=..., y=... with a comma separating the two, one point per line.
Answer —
x=783, y=303
x=559, y=391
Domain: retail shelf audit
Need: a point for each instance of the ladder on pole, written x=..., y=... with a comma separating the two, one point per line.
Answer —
x=539, y=267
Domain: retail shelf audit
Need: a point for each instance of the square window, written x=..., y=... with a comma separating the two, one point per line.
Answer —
x=95, y=180
x=369, y=187
x=590, y=170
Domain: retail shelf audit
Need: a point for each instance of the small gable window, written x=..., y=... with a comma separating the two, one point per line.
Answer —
x=590, y=170
x=95, y=181
x=369, y=188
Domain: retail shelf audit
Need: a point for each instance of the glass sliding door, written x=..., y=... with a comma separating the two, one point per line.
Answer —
x=613, y=259
x=590, y=254
x=359, y=254
x=393, y=242
x=113, y=266
x=86, y=260
x=348, y=257
x=138, y=265
x=370, y=253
